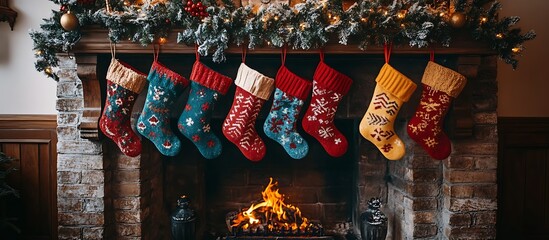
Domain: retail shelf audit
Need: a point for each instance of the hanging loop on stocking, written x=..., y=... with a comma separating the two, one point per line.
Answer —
x=113, y=50
x=321, y=55
x=244, y=52
x=387, y=49
x=156, y=52
x=196, y=54
x=432, y=55
x=283, y=55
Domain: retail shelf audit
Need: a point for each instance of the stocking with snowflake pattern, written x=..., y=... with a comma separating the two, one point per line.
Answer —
x=253, y=89
x=329, y=86
x=291, y=91
x=206, y=88
x=165, y=86
x=440, y=86
x=124, y=83
x=377, y=125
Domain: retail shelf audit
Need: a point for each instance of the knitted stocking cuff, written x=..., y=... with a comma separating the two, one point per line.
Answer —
x=292, y=84
x=172, y=76
x=443, y=79
x=395, y=83
x=254, y=82
x=209, y=78
x=331, y=79
x=126, y=76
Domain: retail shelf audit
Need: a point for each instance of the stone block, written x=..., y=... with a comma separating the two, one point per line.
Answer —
x=79, y=147
x=74, y=161
x=475, y=148
x=127, y=175
x=129, y=203
x=94, y=205
x=458, y=176
x=486, y=191
x=302, y=195
x=125, y=216
x=70, y=204
x=486, y=132
x=423, y=175
x=93, y=176
x=422, y=162
x=68, y=118
x=460, y=219
x=125, y=162
x=126, y=189
x=68, y=89
x=424, y=190
x=420, y=204
x=423, y=217
x=75, y=219
x=485, y=118
x=459, y=162
x=69, y=177
x=68, y=132
x=486, y=162
x=69, y=233
x=69, y=104
x=459, y=191
x=425, y=230
x=93, y=233
x=470, y=233
x=485, y=218
x=128, y=230
x=470, y=205
x=80, y=190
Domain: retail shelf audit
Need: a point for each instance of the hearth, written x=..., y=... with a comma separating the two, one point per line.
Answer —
x=118, y=197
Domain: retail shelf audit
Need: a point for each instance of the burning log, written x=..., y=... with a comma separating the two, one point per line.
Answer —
x=271, y=217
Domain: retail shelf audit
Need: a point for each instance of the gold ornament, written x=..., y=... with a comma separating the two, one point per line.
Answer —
x=458, y=20
x=69, y=21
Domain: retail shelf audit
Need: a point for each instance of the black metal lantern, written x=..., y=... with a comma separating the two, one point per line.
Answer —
x=373, y=222
x=183, y=220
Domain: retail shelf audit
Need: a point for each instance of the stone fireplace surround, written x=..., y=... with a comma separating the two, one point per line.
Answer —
x=103, y=194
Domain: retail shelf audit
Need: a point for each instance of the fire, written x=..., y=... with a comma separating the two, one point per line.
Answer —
x=272, y=214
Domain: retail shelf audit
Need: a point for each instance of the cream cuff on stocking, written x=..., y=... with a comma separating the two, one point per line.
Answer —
x=254, y=82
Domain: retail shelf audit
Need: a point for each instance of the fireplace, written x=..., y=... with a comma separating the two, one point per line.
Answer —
x=119, y=197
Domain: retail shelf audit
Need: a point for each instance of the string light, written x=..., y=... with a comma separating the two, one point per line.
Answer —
x=48, y=70
x=302, y=26
x=162, y=40
x=38, y=52
x=499, y=35
x=275, y=18
x=363, y=19
x=516, y=49
x=401, y=14
x=483, y=19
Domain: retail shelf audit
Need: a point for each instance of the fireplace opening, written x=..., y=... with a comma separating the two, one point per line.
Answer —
x=322, y=187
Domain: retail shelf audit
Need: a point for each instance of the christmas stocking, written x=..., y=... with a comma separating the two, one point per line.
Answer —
x=329, y=86
x=291, y=91
x=154, y=123
x=440, y=86
x=206, y=88
x=392, y=90
x=123, y=85
x=253, y=89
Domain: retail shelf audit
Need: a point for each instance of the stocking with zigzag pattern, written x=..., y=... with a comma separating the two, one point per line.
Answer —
x=253, y=89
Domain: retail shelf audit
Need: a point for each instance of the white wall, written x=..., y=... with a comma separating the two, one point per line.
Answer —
x=524, y=92
x=23, y=90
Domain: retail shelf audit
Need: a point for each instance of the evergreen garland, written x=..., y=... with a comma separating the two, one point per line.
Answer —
x=305, y=26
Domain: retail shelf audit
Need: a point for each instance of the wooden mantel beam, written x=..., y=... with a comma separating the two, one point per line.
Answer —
x=95, y=40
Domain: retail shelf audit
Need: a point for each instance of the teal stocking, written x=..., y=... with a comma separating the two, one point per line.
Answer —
x=154, y=122
x=291, y=91
x=206, y=88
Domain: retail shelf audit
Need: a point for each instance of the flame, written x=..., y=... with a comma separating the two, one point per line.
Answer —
x=272, y=213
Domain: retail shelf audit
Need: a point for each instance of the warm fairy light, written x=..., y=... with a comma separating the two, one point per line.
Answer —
x=364, y=19
x=38, y=52
x=127, y=3
x=275, y=18
x=264, y=19
x=442, y=14
x=290, y=29
x=227, y=20
x=402, y=25
x=516, y=49
x=499, y=35
x=401, y=14
x=162, y=40
x=483, y=19
x=48, y=70
x=302, y=25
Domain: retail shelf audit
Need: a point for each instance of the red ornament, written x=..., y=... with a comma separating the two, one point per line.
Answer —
x=63, y=8
x=196, y=9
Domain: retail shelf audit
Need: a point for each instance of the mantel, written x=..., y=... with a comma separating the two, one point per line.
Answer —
x=95, y=41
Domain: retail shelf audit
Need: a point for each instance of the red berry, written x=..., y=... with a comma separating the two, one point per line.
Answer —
x=189, y=2
x=63, y=8
x=199, y=4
